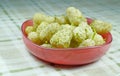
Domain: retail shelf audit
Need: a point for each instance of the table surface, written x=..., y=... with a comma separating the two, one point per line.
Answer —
x=15, y=60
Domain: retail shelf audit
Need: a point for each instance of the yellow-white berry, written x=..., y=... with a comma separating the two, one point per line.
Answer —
x=98, y=39
x=42, y=26
x=47, y=45
x=61, y=39
x=29, y=29
x=101, y=26
x=75, y=16
x=48, y=32
x=87, y=42
x=34, y=37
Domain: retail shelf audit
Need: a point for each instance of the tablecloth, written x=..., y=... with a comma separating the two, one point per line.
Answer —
x=15, y=60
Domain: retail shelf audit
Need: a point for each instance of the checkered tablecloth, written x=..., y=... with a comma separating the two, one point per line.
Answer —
x=15, y=60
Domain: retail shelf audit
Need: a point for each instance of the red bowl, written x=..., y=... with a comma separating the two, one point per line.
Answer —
x=67, y=56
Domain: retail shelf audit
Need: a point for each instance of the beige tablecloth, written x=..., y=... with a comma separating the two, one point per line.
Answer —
x=15, y=60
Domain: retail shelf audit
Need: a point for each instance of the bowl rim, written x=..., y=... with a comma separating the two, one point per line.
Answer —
x=79, y=48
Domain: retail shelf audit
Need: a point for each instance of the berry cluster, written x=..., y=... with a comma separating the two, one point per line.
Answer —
x=66, y=31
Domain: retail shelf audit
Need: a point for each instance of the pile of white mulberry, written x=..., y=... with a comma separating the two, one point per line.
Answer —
x=66, y=31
